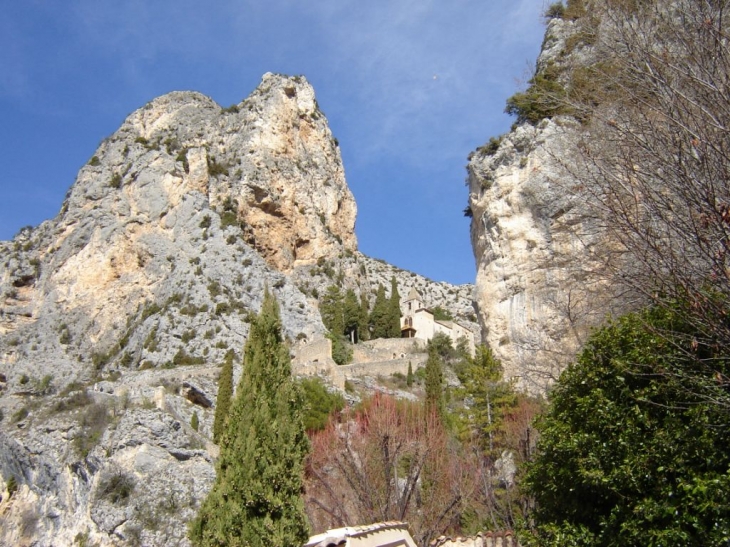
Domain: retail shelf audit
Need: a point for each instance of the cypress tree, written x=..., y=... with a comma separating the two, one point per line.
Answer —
x=363, y=331
x=434, y=382
x=352, y=313
x=409, y=377
x=331, y=310
x=256, y=499
x=380, y=315
x=223, y=402
x=394, y=310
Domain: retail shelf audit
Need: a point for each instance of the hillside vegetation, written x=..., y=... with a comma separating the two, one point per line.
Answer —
x=632, y=448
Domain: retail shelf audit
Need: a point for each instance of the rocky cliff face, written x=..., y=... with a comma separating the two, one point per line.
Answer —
x=539, y=252
x=115, y=315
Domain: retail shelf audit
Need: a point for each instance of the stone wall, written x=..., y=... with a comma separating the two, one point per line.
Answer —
x=488, y=539
x=317, y=350
x=315, y=359
x=382, y=368
x=384, y=349
x=381, y=357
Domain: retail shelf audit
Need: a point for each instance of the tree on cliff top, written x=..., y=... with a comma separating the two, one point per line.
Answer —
x=256, y=499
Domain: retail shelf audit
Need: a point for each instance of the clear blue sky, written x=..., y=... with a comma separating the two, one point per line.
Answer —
x=409, y=87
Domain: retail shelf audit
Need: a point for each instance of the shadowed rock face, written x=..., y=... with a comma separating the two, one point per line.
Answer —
x=115, y=315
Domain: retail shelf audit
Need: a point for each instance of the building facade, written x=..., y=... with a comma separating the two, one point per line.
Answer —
x=417, y=321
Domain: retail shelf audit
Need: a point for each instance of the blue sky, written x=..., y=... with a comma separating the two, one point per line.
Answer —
x=409, y=87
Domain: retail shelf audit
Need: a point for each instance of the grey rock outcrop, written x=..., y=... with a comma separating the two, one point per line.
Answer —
x=539, y=251
x=115, y=315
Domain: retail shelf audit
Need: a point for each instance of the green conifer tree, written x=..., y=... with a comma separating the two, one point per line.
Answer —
x=434, y=382
x=256, y=499
x=331, y=310
x=491, y=398
x=394, y=310
x=363, y=330
x=409, y=376
x=223, y=402
x=379, y=323
x=341, y=349
x=352, y=319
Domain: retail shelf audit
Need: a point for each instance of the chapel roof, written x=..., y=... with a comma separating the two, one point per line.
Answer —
x=413, y=295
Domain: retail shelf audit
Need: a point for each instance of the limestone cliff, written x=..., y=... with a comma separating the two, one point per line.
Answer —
x=115, y=315
x=538, y=249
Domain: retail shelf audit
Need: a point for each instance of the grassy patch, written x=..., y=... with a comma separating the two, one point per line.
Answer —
x=93, y=422
x=116, y=488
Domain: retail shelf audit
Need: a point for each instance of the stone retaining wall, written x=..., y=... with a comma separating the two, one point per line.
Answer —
x=382, y=357
x=384, y=349
x=382, y=368
x=488, y=539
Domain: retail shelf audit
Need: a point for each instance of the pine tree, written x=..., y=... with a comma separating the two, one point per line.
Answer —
x=394, y=310
x=491, y=398
x=256, y=499
x=223, y=402
x=434, y=382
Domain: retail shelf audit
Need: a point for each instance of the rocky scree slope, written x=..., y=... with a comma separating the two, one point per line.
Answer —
x=115, y=315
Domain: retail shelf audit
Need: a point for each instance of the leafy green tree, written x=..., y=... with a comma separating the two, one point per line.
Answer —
x=441, y=314
x=409, y=376
x=633, y=450
x=225, y=393
x=341, y=349
x=444, y=348
x=394, y=310
x=320, y=403
x=379, y=317
x=544, y=98
x=434, y=381
x=488, y=398
x=256, y=499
